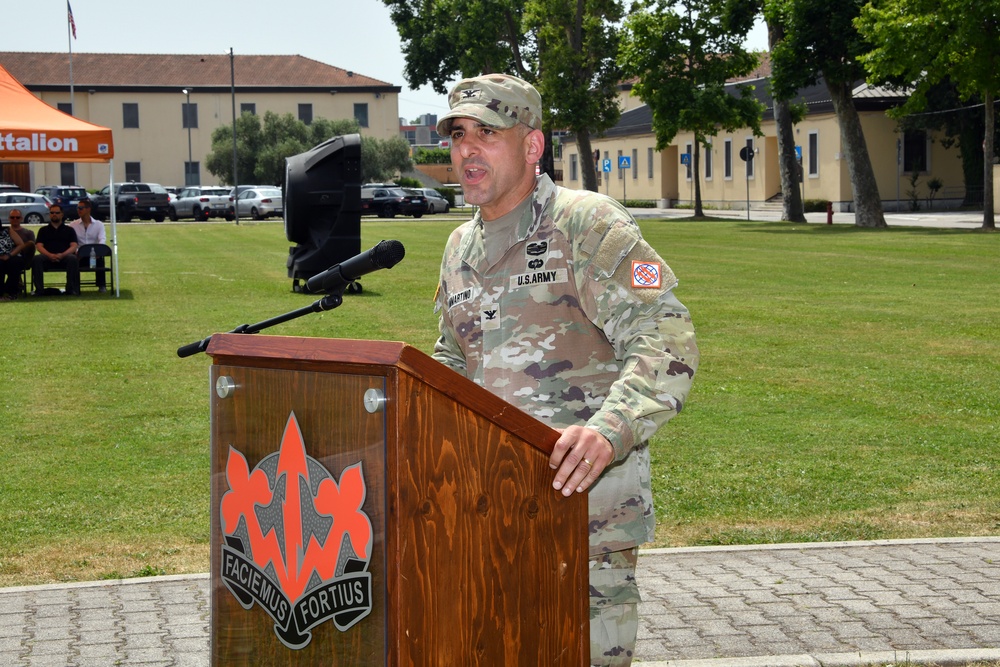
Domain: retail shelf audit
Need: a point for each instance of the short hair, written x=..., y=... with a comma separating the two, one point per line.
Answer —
x=58, y=206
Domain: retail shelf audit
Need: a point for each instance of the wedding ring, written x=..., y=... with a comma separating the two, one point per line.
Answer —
x=587, y=461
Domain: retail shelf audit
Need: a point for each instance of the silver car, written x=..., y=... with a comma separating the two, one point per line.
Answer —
x=260, y=203
x=435, y=202
x=34, y=208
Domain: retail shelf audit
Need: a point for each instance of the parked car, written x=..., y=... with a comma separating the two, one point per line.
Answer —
x=260, y=203
x=435, y=202
x=201, y=203
x=9, y=187
x=34, y=208
x=133, y=200
x=390, y=202
x=65, y=195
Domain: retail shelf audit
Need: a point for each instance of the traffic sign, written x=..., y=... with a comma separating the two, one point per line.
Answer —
x=685, y=158
x=606, y=166
x=798, y=152
x=624, y=162
x=746, y=154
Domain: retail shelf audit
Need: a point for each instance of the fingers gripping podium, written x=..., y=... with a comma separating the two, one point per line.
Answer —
x=371, y=507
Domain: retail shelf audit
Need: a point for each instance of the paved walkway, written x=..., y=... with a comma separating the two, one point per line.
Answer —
x=849, y=603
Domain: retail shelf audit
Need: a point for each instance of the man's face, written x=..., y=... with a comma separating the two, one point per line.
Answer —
x=492, y=165
x=14, y=218
x=84, y=209
x=55, y=214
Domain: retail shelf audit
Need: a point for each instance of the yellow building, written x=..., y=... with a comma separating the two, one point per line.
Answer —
x=163, y=108
x=727, y=182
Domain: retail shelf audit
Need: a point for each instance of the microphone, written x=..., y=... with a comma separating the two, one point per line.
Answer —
x=385, y=255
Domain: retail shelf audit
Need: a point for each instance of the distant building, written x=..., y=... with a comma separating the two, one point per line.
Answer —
x=141, y=98
x=423, y=133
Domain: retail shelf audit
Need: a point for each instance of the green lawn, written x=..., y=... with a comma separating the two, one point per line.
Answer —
x=848, y=388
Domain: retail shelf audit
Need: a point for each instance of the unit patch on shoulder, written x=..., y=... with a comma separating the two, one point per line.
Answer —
x=646, y=274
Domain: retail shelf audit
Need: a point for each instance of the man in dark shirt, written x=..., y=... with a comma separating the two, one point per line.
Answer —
x=56, y=249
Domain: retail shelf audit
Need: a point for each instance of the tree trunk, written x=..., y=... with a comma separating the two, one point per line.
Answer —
x=699, y=212
x=791, y=196
x=788, y=166
x=988, y=215
x=589, y=173
x=867, y=202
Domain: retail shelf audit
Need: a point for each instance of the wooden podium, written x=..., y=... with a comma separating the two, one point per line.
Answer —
x=371, y=507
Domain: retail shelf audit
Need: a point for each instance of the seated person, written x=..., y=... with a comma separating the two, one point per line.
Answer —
x=89, y=230
x=11, y=261
x=27, y=236
x=56, y=249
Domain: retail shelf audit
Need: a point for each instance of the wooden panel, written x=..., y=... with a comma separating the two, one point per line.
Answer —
x=337, y=432
x=492, y=561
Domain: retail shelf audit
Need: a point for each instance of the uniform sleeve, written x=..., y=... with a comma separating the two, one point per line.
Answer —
x=446, y=349
x=632, y=301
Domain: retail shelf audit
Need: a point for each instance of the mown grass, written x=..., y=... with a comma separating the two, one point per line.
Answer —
x=848, y=387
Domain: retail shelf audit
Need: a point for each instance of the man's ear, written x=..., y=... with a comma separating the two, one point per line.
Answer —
x=534, y=146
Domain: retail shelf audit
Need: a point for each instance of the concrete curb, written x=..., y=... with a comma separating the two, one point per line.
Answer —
x=942, y=658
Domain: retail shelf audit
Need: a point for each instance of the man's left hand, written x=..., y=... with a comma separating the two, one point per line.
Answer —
x=579, y=457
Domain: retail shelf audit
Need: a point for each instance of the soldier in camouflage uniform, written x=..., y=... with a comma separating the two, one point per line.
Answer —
x=551, y=299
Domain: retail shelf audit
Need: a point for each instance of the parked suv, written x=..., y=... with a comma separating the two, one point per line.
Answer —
x=387, y=202
x=201, y=203
x=132, y=200
x=65, y=195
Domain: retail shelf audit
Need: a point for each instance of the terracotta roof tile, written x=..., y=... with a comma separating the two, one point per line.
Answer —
x=173, y=70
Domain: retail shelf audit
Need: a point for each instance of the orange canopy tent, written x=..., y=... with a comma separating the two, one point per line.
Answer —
x=31, y=130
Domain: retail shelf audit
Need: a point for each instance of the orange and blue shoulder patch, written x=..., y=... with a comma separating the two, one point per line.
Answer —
x=646, y=274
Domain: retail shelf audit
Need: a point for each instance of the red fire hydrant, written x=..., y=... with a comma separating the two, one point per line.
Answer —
x=829, y=213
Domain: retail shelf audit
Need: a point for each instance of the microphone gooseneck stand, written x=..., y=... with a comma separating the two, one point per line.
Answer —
x=328, y=302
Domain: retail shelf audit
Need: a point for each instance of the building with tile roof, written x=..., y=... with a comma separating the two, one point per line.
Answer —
x=727, y=182
x=141, y=98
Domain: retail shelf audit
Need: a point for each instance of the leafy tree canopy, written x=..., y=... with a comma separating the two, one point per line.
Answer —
x=262, y=144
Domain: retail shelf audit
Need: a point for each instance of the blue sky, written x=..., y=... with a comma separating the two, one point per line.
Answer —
x=354, y=35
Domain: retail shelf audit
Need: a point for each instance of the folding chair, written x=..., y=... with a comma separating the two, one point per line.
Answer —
x=88, y=274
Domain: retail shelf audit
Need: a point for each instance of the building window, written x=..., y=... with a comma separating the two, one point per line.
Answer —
x=130, y=115
x=814, y=153
x=749, y=147
x=688, y=149
x=192, y=173
x=914, y=151
x=361, y=113
x=649, y=162
x=621, y=172
x=189, y=115
x=66, y=108
x=573, y=165
x=133, y=171
x=727, y=160
x=708, y=162
x=67, y=173
x=248, y=107
x=635, y=164
x=306, y=113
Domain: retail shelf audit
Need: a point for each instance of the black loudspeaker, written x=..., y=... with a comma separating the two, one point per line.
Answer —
x=322, y=198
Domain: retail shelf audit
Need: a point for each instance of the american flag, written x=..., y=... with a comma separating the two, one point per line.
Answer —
x=72, y=23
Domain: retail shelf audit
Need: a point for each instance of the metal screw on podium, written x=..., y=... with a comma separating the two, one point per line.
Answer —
x=374, y=401
x=225, y=386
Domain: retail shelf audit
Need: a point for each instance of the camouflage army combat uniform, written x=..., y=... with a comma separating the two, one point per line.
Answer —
x=577, y=324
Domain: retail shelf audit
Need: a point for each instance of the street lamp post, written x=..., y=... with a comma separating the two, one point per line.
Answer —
x=187, y=121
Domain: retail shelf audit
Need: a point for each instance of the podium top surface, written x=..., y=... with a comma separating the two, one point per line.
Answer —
x=375, y=357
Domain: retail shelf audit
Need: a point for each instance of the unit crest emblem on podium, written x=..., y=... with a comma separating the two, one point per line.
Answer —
x=296, y=541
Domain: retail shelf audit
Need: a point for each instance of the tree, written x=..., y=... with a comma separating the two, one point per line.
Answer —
x=820, y=41
x=739, y=16
x=958, y=40
x=566, y=50
x=263, y=145
x=682, y=61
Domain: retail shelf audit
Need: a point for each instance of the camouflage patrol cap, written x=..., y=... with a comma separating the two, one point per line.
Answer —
x=496, y=100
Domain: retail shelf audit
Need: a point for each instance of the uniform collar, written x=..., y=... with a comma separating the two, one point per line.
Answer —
x=473, y=251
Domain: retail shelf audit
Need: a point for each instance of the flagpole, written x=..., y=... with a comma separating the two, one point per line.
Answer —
x=69, y=40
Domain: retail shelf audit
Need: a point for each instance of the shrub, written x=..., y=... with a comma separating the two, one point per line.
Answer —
x=814, y=205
